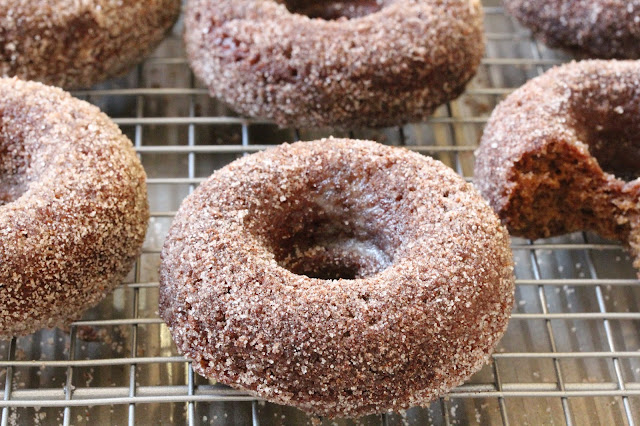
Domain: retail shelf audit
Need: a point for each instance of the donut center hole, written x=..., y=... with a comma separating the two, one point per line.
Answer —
x=617, y=151
x=334, y=9
x=13, y=179
x=326, y=243
x=330, y=253
x=609, y=123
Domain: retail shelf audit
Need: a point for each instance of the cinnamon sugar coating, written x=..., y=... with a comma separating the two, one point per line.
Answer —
x=562, y=153
x=592, y=28
x=393, y=62
x=73, y=207
x=74, y=44
x=342, y=277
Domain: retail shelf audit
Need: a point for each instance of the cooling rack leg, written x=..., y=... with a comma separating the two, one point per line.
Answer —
x=254, y=413
x=545, y=310
x=401, y=136
x=8, y=382
x=137, y=271
x=68, y=388
x=191, y=412
x=134, y=348
x=607, y=329
x=445, y=411
x=501, y=403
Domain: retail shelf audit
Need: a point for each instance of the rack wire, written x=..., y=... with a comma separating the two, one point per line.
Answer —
x=571, y=354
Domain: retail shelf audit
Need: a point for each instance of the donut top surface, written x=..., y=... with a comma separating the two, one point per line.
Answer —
x=592, y=106
x=562, y=153
x=344, y=277
x=73, y=206
x=593, y=28
x=77, y=43
x=394, y=61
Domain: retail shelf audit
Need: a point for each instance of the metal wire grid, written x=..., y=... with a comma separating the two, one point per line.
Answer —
x=571, y=353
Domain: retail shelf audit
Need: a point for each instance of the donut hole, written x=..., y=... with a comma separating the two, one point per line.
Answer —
x=333, y=257
x=320, y=245
x=610, y=125
x=617, y=152
x=326, y=243
x=13, y=177
x=334, y=9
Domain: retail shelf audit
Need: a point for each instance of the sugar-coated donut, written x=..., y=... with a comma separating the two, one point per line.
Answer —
x=382, y=63
x=593, y=28
x=342, y=277
x=73, y=44
x=73, y=207
x=562, y=153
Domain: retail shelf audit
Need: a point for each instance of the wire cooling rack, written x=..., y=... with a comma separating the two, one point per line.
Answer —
x=571, y=353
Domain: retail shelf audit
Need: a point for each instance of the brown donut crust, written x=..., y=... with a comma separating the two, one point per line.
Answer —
x=536, y=164
x=592, y=28
x=73, y=207
x=75, y=44
x=386, y=68
x=425, y=320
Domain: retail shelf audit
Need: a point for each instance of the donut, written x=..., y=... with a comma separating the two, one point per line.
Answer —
x=592, y=28
x=74, y=44
x=562, y=154
x=381, y=63
x=342, y=277
x=73, y=207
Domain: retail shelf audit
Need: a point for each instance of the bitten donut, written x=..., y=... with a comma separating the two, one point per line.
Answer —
x=342, y=277
x=562, y=153
x=335, y=63
x=593, y=28
x=73, y=207
x=73, y=44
